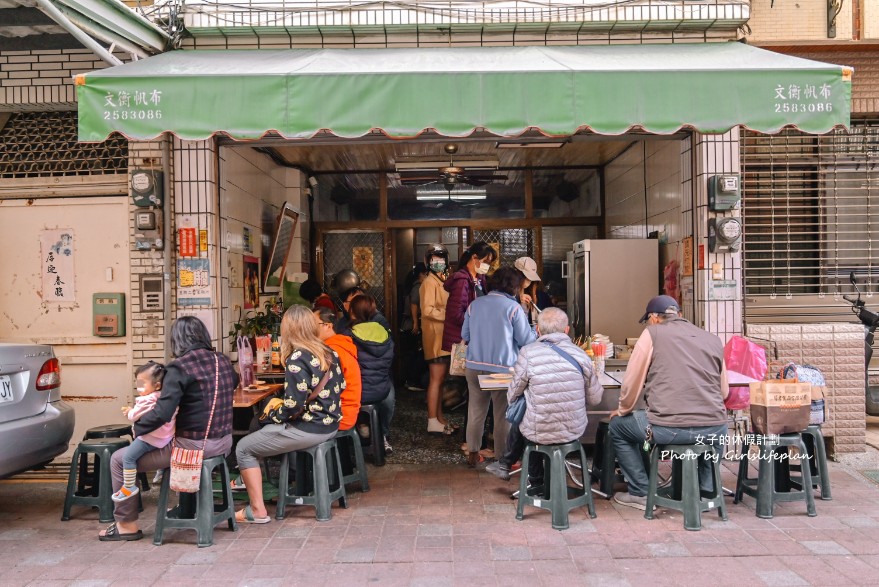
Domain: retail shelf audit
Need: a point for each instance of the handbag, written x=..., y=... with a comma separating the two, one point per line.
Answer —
x=186, y=462
x=459, y=356
x=274, y=403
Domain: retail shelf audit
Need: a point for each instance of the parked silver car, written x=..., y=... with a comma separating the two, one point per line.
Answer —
x=35, y=425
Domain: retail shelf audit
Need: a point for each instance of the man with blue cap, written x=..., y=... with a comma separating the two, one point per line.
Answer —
x=679, y=370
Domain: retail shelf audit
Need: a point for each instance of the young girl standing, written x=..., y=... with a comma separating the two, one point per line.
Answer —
x=149, y=384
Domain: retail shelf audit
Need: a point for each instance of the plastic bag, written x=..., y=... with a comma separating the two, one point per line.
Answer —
x=459, y=356
x=245, y=361
x=745, y=357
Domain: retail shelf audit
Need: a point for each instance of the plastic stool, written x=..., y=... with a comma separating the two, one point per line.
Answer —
x=95, y=487
x=553, y=495
x=108, y=431
x=376, y=438
x=198, y=511
x=773, y=482
x=683, y=493
x=115, y=431
x=814, y=441
x=343, y=437
x=318, y=480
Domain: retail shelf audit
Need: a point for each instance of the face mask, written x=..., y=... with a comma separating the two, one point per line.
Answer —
x=483, y=268
x=438, y=266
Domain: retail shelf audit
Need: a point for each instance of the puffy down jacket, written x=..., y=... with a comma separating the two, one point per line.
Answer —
x=554, y=390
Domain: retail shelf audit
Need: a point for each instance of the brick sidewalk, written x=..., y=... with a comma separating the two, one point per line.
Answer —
x=451, y=525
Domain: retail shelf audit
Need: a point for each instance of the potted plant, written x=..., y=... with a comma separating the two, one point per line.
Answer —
x=255, y=323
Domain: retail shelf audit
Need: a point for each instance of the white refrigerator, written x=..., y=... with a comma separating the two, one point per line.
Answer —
x=609, y=284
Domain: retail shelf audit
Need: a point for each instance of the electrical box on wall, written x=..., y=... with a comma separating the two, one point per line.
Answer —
x=724, y=235
x=147, y=188
x=152, y=293
x=148, y=230
x=108, y=312
x=724, y=192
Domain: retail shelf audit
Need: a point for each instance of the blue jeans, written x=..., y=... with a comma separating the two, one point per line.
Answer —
x=385, y=409
x=135, y=450
x=629, y=432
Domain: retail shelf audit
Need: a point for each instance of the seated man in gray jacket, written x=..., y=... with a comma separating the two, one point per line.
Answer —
x=558, y=380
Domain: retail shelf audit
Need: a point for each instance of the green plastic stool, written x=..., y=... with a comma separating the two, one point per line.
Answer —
x=343, y=437
x=115, y=431
x=318, y=480
x=683, y=493
x=773, y=483
x=814, y=441
x=198, y=511
x=92, y=486
x=554, y=494
x=376, y=439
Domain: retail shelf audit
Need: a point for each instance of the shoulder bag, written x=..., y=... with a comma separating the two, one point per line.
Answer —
x=272, y=405
x=186, y=462
x=516, y=410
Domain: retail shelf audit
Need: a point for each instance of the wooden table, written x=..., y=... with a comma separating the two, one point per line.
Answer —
x=246, y=399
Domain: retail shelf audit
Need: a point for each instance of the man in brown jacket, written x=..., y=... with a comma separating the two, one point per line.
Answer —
x=679, y=369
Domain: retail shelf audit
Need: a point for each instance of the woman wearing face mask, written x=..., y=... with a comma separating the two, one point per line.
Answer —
x=433, y=315
x=465, y=285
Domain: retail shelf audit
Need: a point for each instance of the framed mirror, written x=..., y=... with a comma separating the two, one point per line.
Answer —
x=285, y=228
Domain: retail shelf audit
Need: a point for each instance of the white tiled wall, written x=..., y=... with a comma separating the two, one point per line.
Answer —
x=251, y=184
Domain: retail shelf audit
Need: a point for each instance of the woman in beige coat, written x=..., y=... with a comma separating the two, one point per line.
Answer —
x=433, y=315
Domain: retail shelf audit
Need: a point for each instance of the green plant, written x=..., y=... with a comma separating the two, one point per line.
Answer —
x=255, y=322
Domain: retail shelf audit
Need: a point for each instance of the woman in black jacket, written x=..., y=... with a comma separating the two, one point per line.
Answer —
x=375, y=354
x=188, y=389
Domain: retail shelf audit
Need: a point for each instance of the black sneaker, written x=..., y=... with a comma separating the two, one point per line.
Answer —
x=499, y=470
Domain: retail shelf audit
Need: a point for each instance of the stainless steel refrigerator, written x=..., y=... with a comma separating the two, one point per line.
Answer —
x=609, y=284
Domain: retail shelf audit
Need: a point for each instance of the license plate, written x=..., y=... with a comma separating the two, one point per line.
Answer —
x=5, y=389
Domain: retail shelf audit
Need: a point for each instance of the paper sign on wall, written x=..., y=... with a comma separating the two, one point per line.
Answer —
x=203, y=240
x=186, y=242
x=56, y=265
x=193, y=282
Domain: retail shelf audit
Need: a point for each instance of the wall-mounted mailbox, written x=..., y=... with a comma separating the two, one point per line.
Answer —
x=108, y=311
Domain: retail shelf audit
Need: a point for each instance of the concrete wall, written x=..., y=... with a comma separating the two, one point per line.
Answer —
x=838, y=350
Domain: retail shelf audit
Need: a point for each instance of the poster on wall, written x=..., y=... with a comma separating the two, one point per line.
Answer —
x=193, y=282
x=497, y=257
x=247, y=240
x=186, y=245
x=363, y=263
x=56, y=267
x=251, y=282
x=687, y=263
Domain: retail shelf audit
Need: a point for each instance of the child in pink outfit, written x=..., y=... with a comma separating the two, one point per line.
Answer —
x=149, y=383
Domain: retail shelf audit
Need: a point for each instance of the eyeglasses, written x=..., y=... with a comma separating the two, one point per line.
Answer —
x=325, y=323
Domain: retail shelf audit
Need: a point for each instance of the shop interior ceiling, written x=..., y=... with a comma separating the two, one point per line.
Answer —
x=360, y=163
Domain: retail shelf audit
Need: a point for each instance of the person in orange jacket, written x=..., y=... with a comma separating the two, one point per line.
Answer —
x=344, y=346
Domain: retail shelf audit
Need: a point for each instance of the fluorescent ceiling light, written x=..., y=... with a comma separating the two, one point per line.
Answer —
x=433, y=194
x=530, y=144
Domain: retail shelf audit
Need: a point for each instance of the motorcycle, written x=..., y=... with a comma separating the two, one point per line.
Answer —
x=870, y=320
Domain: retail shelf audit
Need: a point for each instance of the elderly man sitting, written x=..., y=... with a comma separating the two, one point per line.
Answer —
x=679, y=368
x=558, y=379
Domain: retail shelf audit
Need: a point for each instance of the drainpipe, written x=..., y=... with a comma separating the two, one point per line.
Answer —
x=167, y=249
x=56, y=15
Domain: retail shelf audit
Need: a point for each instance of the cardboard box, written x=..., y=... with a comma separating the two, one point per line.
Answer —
x=780, y=406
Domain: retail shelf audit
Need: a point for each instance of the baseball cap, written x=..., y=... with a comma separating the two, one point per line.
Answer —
x=659, y=305
x=528, y=266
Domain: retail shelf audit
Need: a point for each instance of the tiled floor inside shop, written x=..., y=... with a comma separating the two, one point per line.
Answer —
x=445, y=524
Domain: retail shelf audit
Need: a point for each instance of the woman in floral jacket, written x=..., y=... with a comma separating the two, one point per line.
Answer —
x=291, y=427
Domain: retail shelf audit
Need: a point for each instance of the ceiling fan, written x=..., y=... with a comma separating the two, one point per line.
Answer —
x=451, y=176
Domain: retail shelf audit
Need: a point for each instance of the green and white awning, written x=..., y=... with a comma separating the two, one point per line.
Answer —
x=506, y=91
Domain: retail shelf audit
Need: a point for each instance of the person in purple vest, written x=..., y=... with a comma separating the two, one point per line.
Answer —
x=678, y=368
